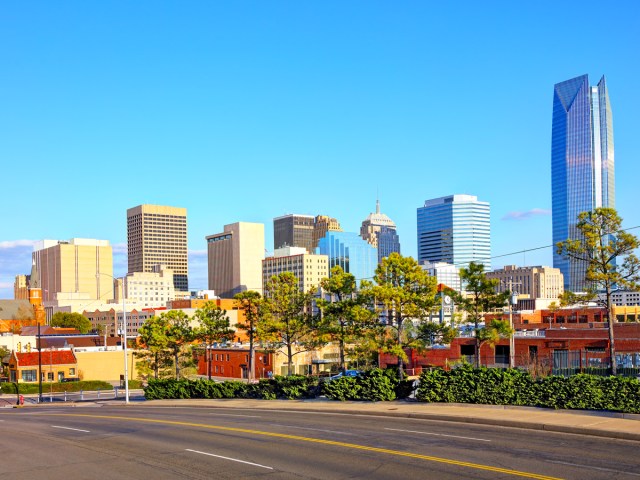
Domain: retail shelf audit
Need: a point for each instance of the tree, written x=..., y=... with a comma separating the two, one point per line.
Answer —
x=432, y=333
x=213, y=327
x=345, y=316
x=288, y=321
x=601, y=242
x=71, y=320
x=408, y=294
x=480, y=297
x=492, y=333
x=179, y=334
x=251, y=303
x=153, y=336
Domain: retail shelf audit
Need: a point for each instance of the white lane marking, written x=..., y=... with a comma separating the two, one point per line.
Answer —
x=439, y=434
x=309, y=428
x=234, y=415
x=69, y=428
x=228, y=458
x=589, y=467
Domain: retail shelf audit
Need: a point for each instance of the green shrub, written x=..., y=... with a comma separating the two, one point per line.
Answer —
x=515, y=387
x=58, y=387
x=374, y=385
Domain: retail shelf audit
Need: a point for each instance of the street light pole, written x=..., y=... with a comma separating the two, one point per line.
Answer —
x=124, y=338
x=126, y=358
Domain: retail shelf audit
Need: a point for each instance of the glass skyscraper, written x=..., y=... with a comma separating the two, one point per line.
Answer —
x=456, y=230
x=351, y=252
x=582, y=173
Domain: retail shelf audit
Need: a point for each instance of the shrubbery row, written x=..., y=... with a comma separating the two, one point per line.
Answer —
x=374, y=385
x=516, y=387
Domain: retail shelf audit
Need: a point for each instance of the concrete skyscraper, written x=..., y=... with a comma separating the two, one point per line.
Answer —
x=235, y=259
x=456, y=230
x=158, y=235
x=582, y=164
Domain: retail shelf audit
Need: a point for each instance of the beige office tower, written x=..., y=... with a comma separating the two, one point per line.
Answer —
x=322, y=225
x=156, y=235
x=74, y=269
x=530, y=282
x=308, y=268
x=235, y=259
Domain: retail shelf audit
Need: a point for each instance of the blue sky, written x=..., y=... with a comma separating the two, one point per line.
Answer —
x=244, y=111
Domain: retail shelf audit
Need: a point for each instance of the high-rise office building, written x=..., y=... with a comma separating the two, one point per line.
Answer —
x=322, y=225
x=293, y=231
x=582, y=166
x=235, y=259
x=78, y=268
x=380, y=231
x=158, y=235
x=456, y=230
x=533, y=282
x=302, y=230
x=351, y=252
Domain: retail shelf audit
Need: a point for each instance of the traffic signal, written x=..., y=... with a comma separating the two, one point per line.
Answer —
x=29, y=347
x=19, y=347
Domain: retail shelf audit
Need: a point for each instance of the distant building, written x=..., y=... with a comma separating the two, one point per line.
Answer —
x=235, y=259
x=293, y=231
x=351, y=252
x=303, y=231
x=456, y=230
x=322, y=225
x=21, y=287
x=582, y=164
x=158, y=235
x=531, y=282
x=380, y=231
x=78, y=267
x=151, y=290
x=308, y=268
x=444, y=273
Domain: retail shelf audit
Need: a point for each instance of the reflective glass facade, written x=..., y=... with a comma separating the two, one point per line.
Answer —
x=456, y=230
x=351, y=252
x=582, y=163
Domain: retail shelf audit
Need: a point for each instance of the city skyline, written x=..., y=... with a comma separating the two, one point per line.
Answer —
x=309, y=108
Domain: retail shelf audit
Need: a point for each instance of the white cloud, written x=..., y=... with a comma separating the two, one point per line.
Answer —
x=9, y=244
x=534, y=212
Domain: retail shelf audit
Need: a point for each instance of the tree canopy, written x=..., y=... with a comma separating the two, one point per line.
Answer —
x=71, y=320
x=601, y=245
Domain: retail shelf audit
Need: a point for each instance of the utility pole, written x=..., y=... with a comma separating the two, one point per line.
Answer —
x=512, y=341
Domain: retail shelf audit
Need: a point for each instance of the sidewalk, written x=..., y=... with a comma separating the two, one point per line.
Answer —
x=599, y=424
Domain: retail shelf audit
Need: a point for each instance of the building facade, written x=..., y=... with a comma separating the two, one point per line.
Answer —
x=293, y=231
x=380, y=231
x=308, y=268
x=350, y=252
x=235, y=259
x=149, y=290
x=533, y=282
x=456, y=230
x=76, y=268
x=322, y=225
x=582, y=164
x=158, y=235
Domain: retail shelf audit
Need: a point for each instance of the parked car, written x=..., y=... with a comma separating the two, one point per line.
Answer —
x=348, y=373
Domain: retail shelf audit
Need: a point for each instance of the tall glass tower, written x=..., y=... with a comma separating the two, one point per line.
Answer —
x=351, y=252
x=582, y=173
x=456, y=230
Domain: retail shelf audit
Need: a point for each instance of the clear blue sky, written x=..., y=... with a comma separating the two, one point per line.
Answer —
x=244, y=111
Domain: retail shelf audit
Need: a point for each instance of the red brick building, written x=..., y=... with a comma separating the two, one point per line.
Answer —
x=233, y=363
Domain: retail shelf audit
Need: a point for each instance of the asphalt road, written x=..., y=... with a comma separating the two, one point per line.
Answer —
x=147, y=442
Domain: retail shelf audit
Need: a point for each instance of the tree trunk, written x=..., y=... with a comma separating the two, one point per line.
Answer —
x=477, y=352
x=175, y=356
x=207, y=356
x=251, y=356
x=289, y=360
x=343, y=366
x=612, y=346
x=400, y=360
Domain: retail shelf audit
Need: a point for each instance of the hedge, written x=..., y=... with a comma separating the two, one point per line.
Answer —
x=375, y=385
x=491, y=386
x=57, y=387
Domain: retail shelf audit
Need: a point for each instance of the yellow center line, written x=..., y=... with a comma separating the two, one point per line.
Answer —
x=355, y=446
